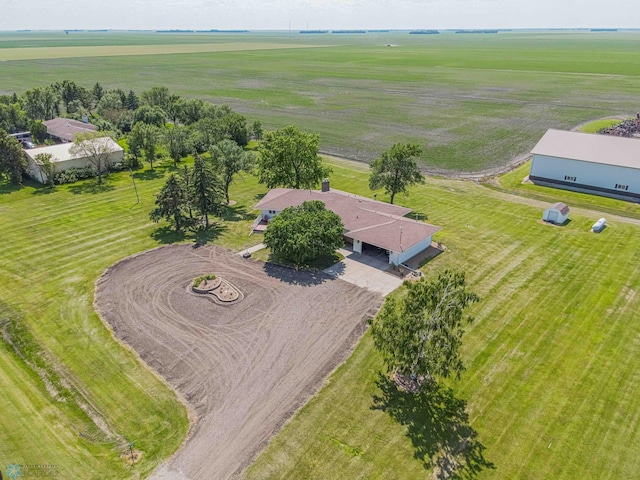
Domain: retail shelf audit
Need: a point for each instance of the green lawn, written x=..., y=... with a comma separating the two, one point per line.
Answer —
x=550, y=387
x=55, y=244
x=597, y=125
x=474, y=101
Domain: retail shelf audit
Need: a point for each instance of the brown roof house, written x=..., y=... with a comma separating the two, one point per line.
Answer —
x=367, y=223
x=66, y=129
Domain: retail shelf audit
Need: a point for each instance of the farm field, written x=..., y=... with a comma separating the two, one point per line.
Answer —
x=550, y=390
x=474, y=102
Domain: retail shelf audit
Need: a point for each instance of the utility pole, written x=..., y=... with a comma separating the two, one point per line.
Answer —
x=134, y=186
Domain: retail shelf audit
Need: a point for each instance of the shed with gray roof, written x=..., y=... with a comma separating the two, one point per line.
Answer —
x=602, y=164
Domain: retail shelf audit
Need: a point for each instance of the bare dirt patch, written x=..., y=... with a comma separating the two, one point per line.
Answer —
x=245, y=368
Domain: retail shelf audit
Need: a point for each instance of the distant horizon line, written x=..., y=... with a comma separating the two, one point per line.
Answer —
x=328, y=30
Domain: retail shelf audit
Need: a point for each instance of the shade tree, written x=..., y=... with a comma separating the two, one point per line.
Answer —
x=300, y=234
x=396, y=169
x=289, y=158
x=419, y=336
x=229, y=159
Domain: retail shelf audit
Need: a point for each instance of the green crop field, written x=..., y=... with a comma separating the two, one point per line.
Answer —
x=474, y=101
x=551, y=386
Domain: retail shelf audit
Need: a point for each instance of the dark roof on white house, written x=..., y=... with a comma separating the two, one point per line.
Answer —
x=67, y=129
x=376, y=223
x=589, y=147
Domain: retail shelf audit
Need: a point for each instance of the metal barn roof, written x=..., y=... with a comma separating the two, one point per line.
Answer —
x=588, y=147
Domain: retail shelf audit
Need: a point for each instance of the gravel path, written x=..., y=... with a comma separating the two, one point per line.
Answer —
x=243, y=368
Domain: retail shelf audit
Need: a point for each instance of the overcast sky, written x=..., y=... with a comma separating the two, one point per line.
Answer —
x=315, y=14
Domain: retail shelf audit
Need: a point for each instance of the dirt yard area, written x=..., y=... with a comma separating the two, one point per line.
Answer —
x=244, y=368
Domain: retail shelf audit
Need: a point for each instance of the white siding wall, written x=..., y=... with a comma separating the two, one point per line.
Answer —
x=357, y=246
x=61, y=166
x=397, y=258
x=586, y=173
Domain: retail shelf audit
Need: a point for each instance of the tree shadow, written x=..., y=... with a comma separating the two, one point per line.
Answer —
x=167, y=235
x=150, y=174
x=202, y=235
x=417, y=215
x=45, y=190
x=293, y=276
x=238, y=213
x=90, y=186
x=438, y=427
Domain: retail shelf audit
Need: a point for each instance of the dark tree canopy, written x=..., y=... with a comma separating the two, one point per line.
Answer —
x=396, y=169
x=303, y=233
x=207, y=195
x=171, y=204
x=178, y=142
x=289, y=158
x=13, y=163
x=420, y=336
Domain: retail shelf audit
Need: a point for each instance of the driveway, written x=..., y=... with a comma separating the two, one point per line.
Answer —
x=364, y=271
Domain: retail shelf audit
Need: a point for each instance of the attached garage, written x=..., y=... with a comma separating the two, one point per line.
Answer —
x=370, y=226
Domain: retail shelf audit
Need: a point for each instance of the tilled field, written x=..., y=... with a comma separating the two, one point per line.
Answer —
x=244, y=368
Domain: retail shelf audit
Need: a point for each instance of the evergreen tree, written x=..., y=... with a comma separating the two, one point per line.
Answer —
x=171, y=203
x=206, y=188
x=13, y=163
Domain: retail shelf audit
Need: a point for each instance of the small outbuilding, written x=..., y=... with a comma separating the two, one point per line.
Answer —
x=557, y=213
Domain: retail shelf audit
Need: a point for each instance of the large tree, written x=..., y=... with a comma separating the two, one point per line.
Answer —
x=178, y=142
x=396, y=169
x=171, y=203
x=13, y=163
x=228, y=158
x=144, y=137
x=207, y=195
x=96, y=147
x=419, y=336
x=289, y=158
x=305, y=232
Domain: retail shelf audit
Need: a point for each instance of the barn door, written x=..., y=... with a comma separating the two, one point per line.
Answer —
x=553, y=216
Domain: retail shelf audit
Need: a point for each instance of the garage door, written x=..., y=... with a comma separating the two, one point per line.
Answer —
x=553, y=216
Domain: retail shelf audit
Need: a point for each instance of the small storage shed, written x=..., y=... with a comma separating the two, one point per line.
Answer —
x=556, y=213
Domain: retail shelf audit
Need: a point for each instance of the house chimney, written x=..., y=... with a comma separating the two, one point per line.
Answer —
x=325, y=185
x=85, y=119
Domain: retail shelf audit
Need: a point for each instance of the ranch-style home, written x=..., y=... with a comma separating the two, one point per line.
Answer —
x=602, y=164
x=62, y=159
x=369, y=225
x=66, y=129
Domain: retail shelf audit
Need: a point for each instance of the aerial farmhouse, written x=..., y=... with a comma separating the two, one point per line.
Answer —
x=62, y=159
x=66, y=129
x=602, y=164
x=370, y=225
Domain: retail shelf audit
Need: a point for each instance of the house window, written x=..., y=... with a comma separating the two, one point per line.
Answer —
x=569, y=178
x=622, y=187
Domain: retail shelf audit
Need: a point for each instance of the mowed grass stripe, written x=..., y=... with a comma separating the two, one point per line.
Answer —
x=39, y=53
x=540, y=352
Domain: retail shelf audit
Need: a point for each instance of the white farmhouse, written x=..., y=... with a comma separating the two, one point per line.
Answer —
x=601, y=164
x=62, y=158
x=369, y=225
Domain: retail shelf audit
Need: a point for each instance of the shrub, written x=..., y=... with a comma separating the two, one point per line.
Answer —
x=199, y=280
x=74, y=174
